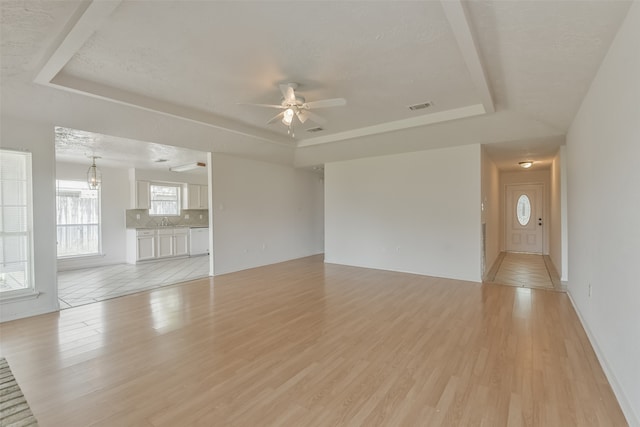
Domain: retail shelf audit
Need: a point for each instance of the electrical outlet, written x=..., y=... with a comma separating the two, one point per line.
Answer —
x=186, y=216
x=589, y=290
x=200, y=216
x=137, y=216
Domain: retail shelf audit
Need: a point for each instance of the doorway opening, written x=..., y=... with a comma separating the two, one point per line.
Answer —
x=133, y=231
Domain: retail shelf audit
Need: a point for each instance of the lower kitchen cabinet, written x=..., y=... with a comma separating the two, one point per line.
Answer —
x=165, y=242
x=145, y=245
x=148, y=244
x=181, y=242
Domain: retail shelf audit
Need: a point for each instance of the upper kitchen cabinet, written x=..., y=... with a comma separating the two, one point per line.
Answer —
x=142, y=195
x=195, y=196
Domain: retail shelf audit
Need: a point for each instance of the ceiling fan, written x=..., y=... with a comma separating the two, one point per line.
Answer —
x=293, y=105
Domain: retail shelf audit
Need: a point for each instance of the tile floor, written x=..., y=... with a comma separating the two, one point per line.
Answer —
x=525, y=270
x=79, y=287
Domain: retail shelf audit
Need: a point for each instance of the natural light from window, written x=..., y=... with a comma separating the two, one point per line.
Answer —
x=78, y=219
x=165, y=200
x=16, y=237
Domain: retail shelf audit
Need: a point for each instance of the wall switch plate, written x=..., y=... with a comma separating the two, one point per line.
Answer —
x=137, y=216
x=186, y=216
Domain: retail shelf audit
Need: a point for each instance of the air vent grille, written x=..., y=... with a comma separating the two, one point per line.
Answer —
x=318, y=129
x=420, y=106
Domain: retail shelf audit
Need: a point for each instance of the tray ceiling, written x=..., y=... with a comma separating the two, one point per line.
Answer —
x=495, y=71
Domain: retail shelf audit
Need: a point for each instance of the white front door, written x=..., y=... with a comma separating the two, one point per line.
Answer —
x=523, y=216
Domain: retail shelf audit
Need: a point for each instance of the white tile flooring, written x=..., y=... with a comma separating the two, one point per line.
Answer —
x=79, y=287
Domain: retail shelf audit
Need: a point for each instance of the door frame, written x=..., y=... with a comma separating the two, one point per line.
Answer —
x=545, y=213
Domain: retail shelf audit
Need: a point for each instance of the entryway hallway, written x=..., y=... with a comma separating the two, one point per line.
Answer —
x=524, y=270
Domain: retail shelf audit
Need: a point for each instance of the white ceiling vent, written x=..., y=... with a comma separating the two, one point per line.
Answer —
x=316, y=129
x=420, y=106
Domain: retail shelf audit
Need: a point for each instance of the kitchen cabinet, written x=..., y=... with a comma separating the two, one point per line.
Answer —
x=143, y=195
x=181, y=242
x=165, y=242
x=145, y=245
x=149, y=244
x=195, y=196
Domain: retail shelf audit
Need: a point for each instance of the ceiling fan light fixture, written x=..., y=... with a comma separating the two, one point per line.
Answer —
x=526, y=164
x=287, y=117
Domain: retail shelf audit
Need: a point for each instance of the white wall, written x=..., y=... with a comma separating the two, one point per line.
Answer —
x=491, y=210
x=263, y=213
x=417, y=212
x=603, y=148
x=115, y=200
x=525, y=177
x=38, y=139
x=558, y=213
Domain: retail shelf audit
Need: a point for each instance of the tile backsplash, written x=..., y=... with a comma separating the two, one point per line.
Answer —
x=147, y=221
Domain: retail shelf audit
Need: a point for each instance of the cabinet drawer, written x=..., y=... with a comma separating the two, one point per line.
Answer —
x=146, y=232
x=165, y=231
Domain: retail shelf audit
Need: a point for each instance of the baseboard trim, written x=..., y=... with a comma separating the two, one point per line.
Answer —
x=625, y=405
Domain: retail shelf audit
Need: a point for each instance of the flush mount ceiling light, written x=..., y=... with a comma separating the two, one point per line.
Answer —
x=188, y=167
x=526, y=164
x=94, y=176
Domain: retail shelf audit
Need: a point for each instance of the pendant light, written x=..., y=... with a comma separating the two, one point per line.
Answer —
x=94, y=176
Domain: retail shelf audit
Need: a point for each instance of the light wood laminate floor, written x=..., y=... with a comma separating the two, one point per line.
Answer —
x=307, y=344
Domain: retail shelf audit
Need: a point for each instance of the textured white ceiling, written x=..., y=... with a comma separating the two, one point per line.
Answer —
x=380, y=56
x=76, y=146
x=197, y=59
x=540, y=56
x=26, y=30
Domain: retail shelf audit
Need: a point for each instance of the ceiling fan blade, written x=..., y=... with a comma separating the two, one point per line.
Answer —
x=302, y=115
x=315, y=118
x=324, y=103
x=288, y=93
x=277, y=117
x=263, y=105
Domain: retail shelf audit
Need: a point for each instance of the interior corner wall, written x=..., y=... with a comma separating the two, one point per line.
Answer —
x=114, y=194
x=415, y=212
x=558, y=214
x=263, y=213
x=525, y=177
x=603, y=148
x=490, y=210
x=37, y=138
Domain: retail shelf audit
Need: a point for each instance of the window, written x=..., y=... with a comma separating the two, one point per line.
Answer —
x=165, y=200
x=523, y=210
x=16, y=235
x=78, y=219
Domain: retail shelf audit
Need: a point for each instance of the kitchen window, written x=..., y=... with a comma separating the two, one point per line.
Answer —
x=16, y=224
x=165, y=200
x=78, y=219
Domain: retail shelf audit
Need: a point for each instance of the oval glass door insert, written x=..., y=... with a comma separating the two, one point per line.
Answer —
x=523, y=209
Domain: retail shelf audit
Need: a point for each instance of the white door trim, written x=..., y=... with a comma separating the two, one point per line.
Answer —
x=530, y=237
